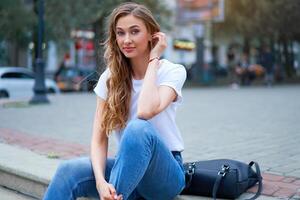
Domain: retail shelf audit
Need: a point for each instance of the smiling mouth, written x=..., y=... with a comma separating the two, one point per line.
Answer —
x=128, y=49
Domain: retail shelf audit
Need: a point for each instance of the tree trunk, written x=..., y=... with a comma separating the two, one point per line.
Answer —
x=15, y=57
x=246, y=48
x=35, y=47
x=99, y=40
x=292, y=58
x=287, y=59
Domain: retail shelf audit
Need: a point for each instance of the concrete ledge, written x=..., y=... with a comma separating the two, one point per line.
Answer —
x=9, y=194
x=25, y=171
x=25, y=185
x=23, y=174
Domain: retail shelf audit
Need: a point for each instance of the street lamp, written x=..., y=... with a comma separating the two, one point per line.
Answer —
x=39, y=84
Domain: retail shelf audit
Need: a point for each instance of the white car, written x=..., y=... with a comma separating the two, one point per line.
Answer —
x=18, y=82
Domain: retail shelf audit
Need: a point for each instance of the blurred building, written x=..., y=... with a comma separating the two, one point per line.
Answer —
x=84, y=54
x=192, y=28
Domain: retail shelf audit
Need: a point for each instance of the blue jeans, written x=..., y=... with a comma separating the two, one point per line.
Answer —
x=143, y=168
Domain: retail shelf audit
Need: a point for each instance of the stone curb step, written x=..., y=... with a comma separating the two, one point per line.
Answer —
x=29, y=185
x=8, y=194
x=22, y=184
x=25, y=171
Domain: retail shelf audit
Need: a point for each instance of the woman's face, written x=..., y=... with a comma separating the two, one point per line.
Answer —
x=132, y=36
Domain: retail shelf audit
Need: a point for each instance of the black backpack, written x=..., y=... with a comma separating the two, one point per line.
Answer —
x=222, y=178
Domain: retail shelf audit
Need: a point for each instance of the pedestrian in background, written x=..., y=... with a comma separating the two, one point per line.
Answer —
x=244, y=71
x=267, y=60
x=137, y=98
x=231, y=66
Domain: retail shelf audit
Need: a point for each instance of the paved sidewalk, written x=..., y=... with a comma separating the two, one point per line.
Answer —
x=260, y=124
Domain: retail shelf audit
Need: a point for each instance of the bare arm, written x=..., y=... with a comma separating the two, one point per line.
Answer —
x=154, y=99
x=99, y=147
x=99, y=144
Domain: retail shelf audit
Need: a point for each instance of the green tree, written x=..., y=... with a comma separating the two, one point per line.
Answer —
x=271, y=21
x=18, y=21
x=61, y=17
x=15, y=25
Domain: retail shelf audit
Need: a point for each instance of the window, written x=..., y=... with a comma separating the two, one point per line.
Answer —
x=19, y=75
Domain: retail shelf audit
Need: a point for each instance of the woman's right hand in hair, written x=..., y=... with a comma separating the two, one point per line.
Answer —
x=159, y=44
x=108, y=192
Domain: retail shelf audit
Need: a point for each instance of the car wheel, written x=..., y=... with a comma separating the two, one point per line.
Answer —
x=3, y=94
x=51, y=91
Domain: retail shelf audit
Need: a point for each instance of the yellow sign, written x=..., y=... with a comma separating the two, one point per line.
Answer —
x=184, y=45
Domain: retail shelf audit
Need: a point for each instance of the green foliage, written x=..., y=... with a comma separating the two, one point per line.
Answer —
x=261, y=18
x=63, y=16
x=16, y=21
x=53, y=155
x=266, y=21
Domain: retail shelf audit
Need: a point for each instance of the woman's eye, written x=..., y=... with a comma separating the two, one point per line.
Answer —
x=134, y=32
x=119, y=33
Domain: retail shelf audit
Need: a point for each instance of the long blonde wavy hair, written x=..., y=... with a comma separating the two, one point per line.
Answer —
x=119, y=84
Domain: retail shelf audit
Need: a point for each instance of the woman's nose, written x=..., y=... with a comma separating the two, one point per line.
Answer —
x=127, y=39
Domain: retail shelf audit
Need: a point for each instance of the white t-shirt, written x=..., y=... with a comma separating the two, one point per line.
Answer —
x=168, y=74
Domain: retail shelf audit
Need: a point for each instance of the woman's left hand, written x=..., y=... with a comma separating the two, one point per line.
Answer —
x=159, y=44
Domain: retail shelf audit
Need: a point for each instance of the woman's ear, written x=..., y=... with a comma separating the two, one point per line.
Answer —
x=150, y=38
x=150, y=44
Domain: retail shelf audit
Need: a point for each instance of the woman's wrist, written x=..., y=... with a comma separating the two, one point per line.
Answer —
x=100, y=182
x=153, y=59
x=154, y=63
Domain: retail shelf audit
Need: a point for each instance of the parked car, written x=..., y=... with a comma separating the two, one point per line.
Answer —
x=18, y=82
x=76, y=79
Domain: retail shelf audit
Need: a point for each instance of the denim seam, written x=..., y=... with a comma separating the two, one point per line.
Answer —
x=152, y=144
x=132, y=185
x=139, y=172
x=81, y=181
x=71, y=196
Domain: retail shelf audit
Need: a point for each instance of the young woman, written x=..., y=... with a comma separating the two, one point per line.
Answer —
x=137, y=97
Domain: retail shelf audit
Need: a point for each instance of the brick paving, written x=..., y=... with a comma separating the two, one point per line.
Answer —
x=43, y=145
x=273, y=185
